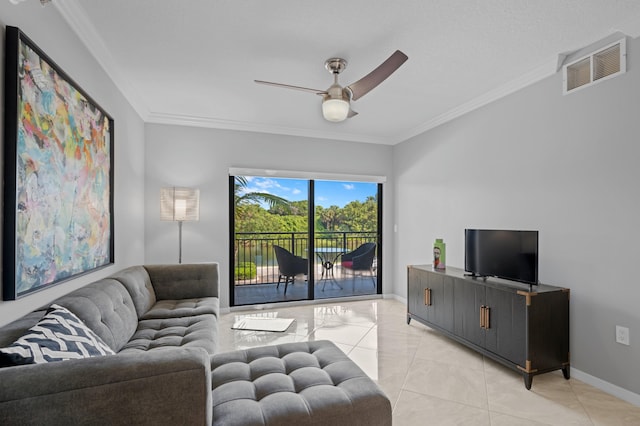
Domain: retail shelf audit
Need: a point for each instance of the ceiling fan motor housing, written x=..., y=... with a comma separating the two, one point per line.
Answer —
x=335, y=104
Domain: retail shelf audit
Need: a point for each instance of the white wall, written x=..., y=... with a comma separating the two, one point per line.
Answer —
x=201, y=158
x=50, y=32
x=564, y=165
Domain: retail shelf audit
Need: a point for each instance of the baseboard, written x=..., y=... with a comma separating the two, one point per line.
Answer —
x=396, y=297
x=617, y=391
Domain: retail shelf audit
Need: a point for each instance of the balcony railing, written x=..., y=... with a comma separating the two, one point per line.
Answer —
x=255, y=260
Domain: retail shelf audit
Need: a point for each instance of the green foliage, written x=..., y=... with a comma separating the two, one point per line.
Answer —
x=253, y=218
x=246, y=271
x=295, y=208
x=358, y=216
x=291, y=216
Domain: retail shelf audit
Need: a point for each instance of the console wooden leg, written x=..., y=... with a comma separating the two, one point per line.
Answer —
x=566, y=372
x=408, y=319
x=528, y=379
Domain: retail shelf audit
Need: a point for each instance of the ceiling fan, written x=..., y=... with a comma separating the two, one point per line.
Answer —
x=336, y=99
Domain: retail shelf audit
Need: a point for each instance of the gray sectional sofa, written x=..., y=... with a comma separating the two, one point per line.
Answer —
x=161, y=322
x=153, y=331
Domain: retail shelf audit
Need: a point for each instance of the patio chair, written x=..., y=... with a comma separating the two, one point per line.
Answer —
x=290, y=266
x=360, y=260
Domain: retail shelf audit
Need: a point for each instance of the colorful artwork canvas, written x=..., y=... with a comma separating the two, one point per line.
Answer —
x=58, y=219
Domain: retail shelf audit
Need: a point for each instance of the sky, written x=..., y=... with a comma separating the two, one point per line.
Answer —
x=328, y=193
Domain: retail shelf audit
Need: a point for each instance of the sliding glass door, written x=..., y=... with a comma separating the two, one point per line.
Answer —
x=270, y=223
x=346, y=238
x=299, y=239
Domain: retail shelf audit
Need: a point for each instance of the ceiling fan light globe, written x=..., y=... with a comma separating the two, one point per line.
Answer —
x=335, y=110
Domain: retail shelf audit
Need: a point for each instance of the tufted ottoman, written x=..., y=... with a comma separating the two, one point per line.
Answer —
x=306, y=383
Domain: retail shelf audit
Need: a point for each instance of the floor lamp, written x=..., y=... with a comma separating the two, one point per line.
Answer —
x=179, y=205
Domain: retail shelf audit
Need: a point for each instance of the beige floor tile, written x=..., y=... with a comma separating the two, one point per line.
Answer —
x=347, y=334
x=398, y=343
x=445, y=381
x=420, y=410
x=499, y=419
x=367, y=360
x=349, y=314
x=436, y=347
x=604, y=409
x=344, y=348
x=550, y=401
x=399, y=325
x=392, y=372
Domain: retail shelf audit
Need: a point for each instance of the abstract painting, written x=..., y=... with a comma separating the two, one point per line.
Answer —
x=58, y=194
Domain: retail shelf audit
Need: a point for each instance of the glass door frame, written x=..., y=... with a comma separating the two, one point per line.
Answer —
x=310, y=244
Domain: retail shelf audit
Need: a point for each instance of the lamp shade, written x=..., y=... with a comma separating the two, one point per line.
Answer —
x=335, y=109
x=179, y=204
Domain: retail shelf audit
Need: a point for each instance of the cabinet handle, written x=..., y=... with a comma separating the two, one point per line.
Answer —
x=487, y=313
x=484, y=317
x=427, y=296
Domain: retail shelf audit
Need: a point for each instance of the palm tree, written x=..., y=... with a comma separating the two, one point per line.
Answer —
x=243, y=197
x=330, y=218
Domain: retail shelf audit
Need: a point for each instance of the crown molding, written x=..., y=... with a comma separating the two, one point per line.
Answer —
x=548, y=68
x=79, y=22
x=215, y=123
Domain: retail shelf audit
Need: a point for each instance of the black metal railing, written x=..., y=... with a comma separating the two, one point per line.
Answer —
x=255, y=261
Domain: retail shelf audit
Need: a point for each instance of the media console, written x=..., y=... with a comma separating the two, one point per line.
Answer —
x=525, y=328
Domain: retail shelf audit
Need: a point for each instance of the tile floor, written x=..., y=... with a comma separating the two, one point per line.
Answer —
x=431, y=379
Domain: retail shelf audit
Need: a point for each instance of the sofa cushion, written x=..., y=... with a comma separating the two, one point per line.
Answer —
x=183, y=308
x=14, y=330
x=58, y=336
x=185, y=281
x=106, y=307
x=136, y=280
x=194, y=331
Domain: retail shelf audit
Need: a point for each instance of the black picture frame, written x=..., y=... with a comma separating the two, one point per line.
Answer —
x=58, y=174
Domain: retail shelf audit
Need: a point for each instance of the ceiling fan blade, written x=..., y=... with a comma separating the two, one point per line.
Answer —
x=288, y=86
x=352, y=113
x=377, y=76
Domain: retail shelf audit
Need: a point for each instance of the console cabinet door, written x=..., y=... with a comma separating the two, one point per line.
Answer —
x=468, y=299
x=418, y=283
x=442, y=301
x=431, y=297
x=506, y=333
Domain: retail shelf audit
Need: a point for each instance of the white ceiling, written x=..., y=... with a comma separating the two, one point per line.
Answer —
x=193, y=62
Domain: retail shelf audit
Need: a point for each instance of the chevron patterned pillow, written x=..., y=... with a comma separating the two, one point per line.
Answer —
x=58, y=336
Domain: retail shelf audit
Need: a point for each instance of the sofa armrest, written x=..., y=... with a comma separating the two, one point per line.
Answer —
x=170, y=386
x=184, y=281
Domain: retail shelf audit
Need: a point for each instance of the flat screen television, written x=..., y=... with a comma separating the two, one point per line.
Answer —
x=512, y=255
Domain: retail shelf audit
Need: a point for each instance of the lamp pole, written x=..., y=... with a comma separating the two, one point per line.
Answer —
x=179, y=241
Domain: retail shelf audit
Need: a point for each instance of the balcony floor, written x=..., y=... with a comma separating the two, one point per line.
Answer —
x=250, y=294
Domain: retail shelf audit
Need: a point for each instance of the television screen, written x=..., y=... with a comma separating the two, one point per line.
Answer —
x=511, y=255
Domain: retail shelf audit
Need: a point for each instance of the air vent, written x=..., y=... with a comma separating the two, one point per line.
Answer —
x=603, y=64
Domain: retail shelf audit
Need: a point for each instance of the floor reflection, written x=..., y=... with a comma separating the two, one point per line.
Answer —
x=428, y=376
